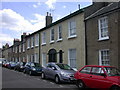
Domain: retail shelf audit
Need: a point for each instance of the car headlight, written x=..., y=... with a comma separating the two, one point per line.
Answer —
x=21, y=66
x=33, y=69
x=65, y=74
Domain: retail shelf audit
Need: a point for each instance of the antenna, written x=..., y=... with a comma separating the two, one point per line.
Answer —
x=52, y=12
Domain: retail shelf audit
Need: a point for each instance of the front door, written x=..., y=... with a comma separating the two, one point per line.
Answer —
x=60, y=56
x=52, y=55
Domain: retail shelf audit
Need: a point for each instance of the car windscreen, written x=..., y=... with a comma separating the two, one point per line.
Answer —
x=35, y=65
x=12, y=63
x=64, y=66
x=22, y=63
x=111, y=71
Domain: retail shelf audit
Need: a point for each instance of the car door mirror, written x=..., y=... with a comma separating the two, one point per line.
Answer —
x=53, y=68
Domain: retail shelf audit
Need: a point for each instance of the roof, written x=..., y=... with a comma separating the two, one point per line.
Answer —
x=59, y=21
x=96, y=66
x=110, y=7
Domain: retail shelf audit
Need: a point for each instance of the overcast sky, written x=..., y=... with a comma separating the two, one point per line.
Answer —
x=19, y=17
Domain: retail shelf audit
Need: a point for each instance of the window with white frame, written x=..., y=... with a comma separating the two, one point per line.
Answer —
x=13, y=59
x=16, y=59
x=104, y=58
x=103, y=28
x=43, y=38
x=19, y=59
x=72, y=58
x=36, y=58
x=52, y=35
x=72, y=28
x=23, y=59
x=59, y=32
x=13, y=49
x=16, y=49
x=19, y=48
x=28, y=58
x=23, y=47
x=28, y=43
x=32, y=41
x=43, y=59
x=32, y=58
x=37, y=40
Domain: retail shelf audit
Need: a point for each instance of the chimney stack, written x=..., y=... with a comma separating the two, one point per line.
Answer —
x=16, y=41
x=23, y=36
x=48, y=19
x=79, y=6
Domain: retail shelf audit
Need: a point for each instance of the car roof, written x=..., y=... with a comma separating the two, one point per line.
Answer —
x=55, y=63
x=96, y=66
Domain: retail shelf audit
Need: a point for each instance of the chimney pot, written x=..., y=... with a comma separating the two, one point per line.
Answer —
x=24, y=33
x=50, y=14
x=47, y=13
x=79, y=6
x=48, y=19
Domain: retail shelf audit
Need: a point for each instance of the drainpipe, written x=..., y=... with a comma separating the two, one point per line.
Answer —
x=86, y=63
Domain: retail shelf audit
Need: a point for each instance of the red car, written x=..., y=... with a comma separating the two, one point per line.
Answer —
x=100, y=77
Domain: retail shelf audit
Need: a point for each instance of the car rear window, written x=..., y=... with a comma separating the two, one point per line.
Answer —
x=86, y=70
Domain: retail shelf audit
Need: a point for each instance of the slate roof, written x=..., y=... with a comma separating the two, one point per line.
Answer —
x=109, y=8
x=59, y=21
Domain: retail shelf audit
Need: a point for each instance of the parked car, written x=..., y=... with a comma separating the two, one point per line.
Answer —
x=20, y=66
x=59, y=72
x=11, y=65
x=3, y=63
x=6, y=64
x=98, y=77
x=32, y=68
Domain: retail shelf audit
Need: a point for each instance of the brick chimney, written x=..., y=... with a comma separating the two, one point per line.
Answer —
x=48, y=19
x=7, y=45
x=23, y=36
x=16, y=41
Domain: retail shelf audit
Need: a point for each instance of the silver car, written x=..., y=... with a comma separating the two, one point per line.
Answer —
x=59, y=72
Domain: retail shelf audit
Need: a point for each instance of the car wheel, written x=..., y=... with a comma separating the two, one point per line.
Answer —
x=115, y=88
x=42, y=75
x=30, y=73
x=15, y=69
x=57, y=79
x=80, y=84
x=24, y=71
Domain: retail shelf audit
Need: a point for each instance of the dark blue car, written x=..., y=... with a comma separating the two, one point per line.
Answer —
x=11, y=65
x=20, y=66
x=32, y=68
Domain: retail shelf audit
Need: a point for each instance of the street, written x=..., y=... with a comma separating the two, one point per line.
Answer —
x=15, y=79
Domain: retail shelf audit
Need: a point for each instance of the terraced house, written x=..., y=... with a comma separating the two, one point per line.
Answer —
x=87, y=36
x=64, y=40
x=103, y=34
x=32, y=48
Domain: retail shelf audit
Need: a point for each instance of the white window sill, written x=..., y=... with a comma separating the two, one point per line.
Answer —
x=59, y=40
x=28, y=48
x=32, y=47
x=43, y=44
x=52, y=42
x=102, y=39
x=36, y=45
x=74, y=36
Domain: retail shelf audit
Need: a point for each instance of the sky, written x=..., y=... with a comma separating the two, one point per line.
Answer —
x=17, y=17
